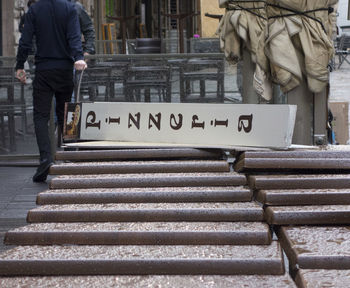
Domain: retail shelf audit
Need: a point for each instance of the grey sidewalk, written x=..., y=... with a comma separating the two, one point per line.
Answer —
x=17, y=196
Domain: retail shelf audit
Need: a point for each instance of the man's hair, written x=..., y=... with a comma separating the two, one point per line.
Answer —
x=30, y=2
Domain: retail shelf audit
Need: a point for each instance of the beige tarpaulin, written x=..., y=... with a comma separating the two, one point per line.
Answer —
x=298, y=44
x=287, y=39
x=240, y=27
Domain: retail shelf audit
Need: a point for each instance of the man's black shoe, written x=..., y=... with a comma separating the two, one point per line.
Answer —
x=42, y=171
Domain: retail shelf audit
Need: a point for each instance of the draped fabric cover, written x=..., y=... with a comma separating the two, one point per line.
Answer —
x=286, y=48
x=239, y=27
x=298, y=45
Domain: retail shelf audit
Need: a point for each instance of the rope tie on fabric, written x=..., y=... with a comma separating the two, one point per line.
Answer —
x=300, y=13
x=292, y=11
x=250, y=10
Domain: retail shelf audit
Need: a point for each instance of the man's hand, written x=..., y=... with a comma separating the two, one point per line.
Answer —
x=80, y=65
x=21, y=75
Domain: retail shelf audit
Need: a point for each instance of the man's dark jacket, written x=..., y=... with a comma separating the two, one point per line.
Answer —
x=86, y=27
x=56, y=27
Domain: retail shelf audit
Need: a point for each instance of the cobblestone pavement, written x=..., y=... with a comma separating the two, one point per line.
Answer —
x=17, y=196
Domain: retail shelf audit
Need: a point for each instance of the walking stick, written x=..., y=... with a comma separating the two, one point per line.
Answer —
x=77, y=99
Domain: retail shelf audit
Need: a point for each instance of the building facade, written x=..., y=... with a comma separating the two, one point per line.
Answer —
x=142, y=18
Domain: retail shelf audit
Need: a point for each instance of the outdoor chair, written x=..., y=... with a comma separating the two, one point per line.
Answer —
x=343, y=49
x=93, y=78
x=116, y=68
x=202, y=71
x=147, y=77
x=148, y=46
x=10, y=108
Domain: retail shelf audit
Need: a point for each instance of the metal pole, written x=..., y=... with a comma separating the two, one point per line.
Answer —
x=159, y=22
x=320, y=117
x=1, y=27
x=303, y=98
x=123, y=26
x=249, y=96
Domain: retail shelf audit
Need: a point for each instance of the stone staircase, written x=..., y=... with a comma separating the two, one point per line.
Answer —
x=306, y=198
x=186, y=218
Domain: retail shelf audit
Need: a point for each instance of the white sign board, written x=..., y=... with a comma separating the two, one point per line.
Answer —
x=221, y=124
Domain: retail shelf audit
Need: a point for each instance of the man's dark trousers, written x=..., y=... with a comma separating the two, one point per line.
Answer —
x=46, y=84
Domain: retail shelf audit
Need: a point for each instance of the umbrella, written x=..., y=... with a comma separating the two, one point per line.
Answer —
x=287, y=39
x=297, y=42
x=243, y=27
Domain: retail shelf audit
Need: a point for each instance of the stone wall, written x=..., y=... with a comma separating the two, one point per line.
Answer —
x=20, y=6
x=210, y=25
x=8, y=38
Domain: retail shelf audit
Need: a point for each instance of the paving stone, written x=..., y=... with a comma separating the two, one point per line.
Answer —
x=316, y=247
x=139, y=195
x=147, y=212
x=304, y=197
x=323, y=278
x=147, y=180
x=142, y=260
x=129, y=167
x=325, y=181
x=308, y=215
x=175, y=281
x=8, y=223
x=296, y=154
x=292, y=164
x=128, y=154
x=24, y=198
x=14, y=211
x=146, y=233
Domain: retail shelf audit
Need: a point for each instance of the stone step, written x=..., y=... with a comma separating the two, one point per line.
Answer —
x=322, y=278
x=141, y=233
x=142, y=195
x=138, y=154
x=174, y=281
x=133, y=167
x=142, y=260
x=292, y=164
x=147, y=180
x=304, y=197
x=296, y=154
x=148, y=212
x=316, y=247
x=327, y=181
x=308, y=215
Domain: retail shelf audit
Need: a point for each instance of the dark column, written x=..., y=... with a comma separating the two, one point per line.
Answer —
x=149, y=18
x=1, y=27
x=159, y=21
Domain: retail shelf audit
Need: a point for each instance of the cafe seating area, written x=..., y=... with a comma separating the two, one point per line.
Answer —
x=13, y=107
x=154, y=77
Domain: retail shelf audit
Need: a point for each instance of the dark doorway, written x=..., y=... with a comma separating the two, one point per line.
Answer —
x=0, y=27
x=149, y=18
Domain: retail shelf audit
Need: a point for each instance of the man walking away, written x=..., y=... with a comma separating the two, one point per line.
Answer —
x=56, y=28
